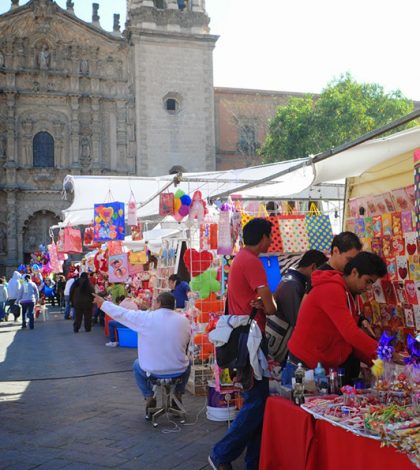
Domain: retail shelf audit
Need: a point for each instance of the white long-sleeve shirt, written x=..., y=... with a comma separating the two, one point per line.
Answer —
x=162, y=340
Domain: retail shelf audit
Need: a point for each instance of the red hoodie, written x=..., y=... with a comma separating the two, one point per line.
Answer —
x=326, y=330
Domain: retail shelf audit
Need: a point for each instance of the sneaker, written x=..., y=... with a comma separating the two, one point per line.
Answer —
x=220, y=466
x=112, y=344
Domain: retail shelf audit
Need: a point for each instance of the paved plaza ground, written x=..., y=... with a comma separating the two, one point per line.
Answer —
x=67, y=401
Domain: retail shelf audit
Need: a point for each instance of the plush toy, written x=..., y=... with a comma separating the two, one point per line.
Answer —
x=198, y=208
x=205, y=283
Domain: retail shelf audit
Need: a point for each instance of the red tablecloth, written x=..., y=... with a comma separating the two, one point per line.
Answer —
x=287, y=436
x=293, y=440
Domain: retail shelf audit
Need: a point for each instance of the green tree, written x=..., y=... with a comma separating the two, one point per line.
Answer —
x=344, y=111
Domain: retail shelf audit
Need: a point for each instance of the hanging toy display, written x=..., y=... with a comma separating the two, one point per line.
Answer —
x=198, y=208
x=182, y=203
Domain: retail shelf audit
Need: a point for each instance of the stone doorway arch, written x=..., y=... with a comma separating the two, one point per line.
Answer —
x=35, y=232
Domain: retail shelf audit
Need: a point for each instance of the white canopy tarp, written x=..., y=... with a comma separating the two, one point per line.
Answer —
x=299, y=178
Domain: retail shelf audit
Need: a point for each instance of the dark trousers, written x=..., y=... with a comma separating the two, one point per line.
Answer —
x=86, y=315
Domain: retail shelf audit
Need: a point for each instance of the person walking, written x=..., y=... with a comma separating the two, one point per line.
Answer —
x=67, y=288
x=248, y=287
x=28, y=296
x=3, y=298
x=81, y=299
x=13, y=289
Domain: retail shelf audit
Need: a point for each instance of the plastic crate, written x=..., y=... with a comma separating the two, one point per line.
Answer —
x=127, y=338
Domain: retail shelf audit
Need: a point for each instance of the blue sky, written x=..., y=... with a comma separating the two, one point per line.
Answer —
x=301, y=45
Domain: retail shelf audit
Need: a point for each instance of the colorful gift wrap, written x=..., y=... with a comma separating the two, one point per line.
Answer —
x=293, y=233
x=376, y=246
x=396, y=224
x=410, y=239
x=378, y=292
x=416, y=311
x=400, y=293
x=407, y=221
x=319, y=232
x=369, y=227
x=414, y=267
x=411, y=292
x=386, y=247
x=402, y=268
x=409, y=316
x=377, y=226
x=391, y=266
x=359, y=227
x=387, y=224
x=367, y=244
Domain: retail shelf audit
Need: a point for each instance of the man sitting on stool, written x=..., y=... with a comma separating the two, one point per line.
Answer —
x=163, y=338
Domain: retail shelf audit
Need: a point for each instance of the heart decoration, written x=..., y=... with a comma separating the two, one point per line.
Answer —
x=105, y=213
x=197, y=262
x=402, y=272
x=411, y=248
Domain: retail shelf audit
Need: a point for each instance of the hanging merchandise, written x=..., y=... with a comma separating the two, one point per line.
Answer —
x=198, y=208
x=134, y=268
x=182, y=203
x=118, y=268
x=276, y=245
x=137, y=232
x=272, y=269
x=72, y=240
x=319, y=231
x=56, y=266
x=205, y=283
x=197, y=262
x=101, y=261
x=166, y=204
x=293, y=233
x=109, y=221
x=60, y=242
x=139, y=257
x=88, y=238
x=224, y=239
x=114, y=248
x=132, y=210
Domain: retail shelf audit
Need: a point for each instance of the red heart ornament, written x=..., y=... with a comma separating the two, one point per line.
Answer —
x=411, y=248
x=197, y=262
x=402, y=272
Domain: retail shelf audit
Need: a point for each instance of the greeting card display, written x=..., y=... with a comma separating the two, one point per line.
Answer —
x=369, y=233
x=109, y=221
x=397, y=246
x=402, y=268
x=407, y=221
x=411, y=292
x=391, y=266
x=377, y=226
x=410, y=243
x=387, y=224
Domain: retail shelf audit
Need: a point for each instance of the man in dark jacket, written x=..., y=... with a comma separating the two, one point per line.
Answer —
x=292, y=287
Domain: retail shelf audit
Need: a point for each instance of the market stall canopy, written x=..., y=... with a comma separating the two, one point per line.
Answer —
x=90, y=190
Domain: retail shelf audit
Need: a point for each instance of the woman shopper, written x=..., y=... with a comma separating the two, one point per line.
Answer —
x=81, y=299
x=3, y=298
x=28, y=296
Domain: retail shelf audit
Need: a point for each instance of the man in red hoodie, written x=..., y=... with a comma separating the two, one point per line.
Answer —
x=326, y=331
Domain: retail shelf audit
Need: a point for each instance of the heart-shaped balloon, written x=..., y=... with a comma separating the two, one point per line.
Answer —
x=105, y=213
x=197, y=262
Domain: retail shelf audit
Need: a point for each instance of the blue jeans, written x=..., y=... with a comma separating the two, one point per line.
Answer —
x=2, y=307
x=28, y=308
x=143, y=382
x=112, y=325
x=67, y=306
x=246, y=429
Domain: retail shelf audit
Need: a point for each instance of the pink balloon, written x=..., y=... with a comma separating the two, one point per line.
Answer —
x=184, y=210
x=178, y=217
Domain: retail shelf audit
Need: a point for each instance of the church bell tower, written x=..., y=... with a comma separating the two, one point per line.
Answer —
x=172, y=71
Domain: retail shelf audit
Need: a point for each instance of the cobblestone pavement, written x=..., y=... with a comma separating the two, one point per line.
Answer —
x=67, y=401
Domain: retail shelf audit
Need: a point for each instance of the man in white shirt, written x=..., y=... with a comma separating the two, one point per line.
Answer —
x=67, y=288
x=162, y=342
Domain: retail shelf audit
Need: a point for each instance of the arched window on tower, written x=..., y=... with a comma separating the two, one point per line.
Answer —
x=43, y=150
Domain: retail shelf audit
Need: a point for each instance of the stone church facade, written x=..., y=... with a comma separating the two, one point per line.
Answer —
x=77, y=99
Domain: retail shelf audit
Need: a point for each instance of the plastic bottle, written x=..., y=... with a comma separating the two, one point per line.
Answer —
x=299, y=387
x=340, y=378
x=333, y=381
x=321, y=380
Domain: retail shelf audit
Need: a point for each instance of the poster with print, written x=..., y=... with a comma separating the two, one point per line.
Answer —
x=118, y=268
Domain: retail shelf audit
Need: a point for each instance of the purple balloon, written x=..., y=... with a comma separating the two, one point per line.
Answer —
x=184, y=210
x=185, y=200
